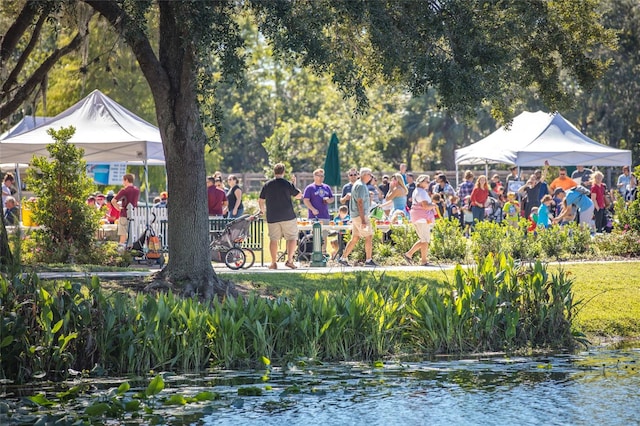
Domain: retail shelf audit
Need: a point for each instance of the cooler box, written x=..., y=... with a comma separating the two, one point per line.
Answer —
x=26, y=215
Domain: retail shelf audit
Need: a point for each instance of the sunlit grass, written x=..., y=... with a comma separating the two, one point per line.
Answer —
x=611, y=297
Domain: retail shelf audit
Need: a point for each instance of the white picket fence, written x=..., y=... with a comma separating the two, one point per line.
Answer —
x=156, y=217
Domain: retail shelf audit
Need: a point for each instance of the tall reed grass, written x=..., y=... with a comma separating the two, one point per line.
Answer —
x=48, y=328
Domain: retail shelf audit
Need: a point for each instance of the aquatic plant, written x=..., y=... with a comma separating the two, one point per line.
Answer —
x=52, y=329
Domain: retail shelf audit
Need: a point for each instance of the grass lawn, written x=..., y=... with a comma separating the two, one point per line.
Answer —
x=610, y=291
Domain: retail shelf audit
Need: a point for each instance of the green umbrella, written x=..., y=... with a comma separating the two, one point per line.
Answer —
x=332, y=175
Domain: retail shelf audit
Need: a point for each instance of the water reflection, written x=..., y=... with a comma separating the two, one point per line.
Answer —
x=596, y=387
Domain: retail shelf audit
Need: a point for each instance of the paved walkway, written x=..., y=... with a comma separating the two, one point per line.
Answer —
x=222, y=269
x=304, y=268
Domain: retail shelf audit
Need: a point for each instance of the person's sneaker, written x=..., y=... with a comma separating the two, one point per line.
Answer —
x=370, y=263
x=343, y=262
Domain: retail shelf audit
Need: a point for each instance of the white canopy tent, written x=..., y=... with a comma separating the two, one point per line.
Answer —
x=27, y=123
x=536, y=137
x=105, y=130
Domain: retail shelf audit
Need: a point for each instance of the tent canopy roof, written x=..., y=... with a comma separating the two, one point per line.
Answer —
x=536, y=137
x=27, y=123
x=105, y=130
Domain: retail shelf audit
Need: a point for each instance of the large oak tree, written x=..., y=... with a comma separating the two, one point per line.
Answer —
x=471, y=51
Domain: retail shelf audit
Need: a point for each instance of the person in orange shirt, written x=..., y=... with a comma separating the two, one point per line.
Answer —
x=562, y=181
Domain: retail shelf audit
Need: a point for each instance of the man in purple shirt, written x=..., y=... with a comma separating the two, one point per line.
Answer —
x=317, y=197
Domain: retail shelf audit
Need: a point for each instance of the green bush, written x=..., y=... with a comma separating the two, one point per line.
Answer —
x=358, y=254
x=552, y=240
x=578, y=238
x=619, y=243
x=486, y=238
x=520, y=243
x=61, y=186
x=448, y=240
x=628, y=214
x=403, y=238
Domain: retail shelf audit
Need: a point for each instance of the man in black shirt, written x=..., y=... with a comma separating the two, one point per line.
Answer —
x=275, y=200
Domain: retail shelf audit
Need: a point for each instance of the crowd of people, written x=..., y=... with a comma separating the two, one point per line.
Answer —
x=401, y=198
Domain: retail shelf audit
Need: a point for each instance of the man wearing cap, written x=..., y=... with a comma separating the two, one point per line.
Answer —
x=582, y=203
x=360, y=204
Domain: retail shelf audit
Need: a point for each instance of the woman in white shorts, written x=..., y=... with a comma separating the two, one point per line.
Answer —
x=422, y=217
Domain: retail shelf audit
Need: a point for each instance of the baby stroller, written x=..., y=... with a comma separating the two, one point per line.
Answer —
x=493, y=212
x=305, y=246
x=147, y=248
x=226, y=245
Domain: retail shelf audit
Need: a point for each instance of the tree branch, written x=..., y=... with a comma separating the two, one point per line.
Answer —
x=23, y=92
x=17, y=69
x=137, y=41
x=18, y=28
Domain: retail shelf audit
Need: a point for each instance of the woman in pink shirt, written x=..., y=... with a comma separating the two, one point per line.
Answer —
x=479, y=197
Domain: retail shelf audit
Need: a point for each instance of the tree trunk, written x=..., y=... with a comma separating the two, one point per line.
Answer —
x=184, y=141
x=172, y=78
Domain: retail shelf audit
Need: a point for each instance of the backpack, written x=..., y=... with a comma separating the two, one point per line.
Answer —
x=582, y=190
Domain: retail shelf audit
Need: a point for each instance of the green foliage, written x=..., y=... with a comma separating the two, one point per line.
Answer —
x=61, y=186
x=619, y=243
x=402, y=239
x=448, y=240
x=49, y=328
x=495, y=305
x=628, y=215
x=578, y=238
x=49, y=325
x=486, y=239
x=520, y=243
x=552, y=240
x=378, y=243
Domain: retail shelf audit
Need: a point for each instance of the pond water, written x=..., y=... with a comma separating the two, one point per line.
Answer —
x=596, y=387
